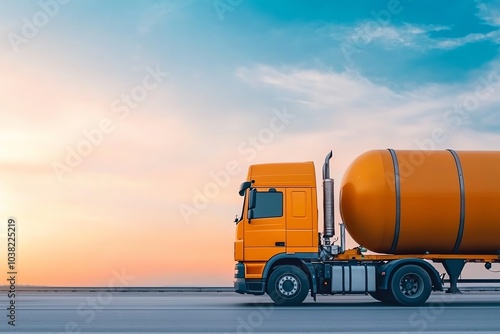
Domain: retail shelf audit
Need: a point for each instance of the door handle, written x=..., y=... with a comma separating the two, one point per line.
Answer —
x=279, y=243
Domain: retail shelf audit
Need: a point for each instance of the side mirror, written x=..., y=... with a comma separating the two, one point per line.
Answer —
x=252, y=199
x=244, y=186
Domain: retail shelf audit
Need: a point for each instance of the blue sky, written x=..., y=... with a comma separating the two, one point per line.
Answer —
x=302, y=77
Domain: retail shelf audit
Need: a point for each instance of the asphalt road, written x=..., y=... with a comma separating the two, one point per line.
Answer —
x=225, y=312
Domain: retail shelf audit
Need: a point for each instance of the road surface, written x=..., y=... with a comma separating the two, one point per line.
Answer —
x=226, y=312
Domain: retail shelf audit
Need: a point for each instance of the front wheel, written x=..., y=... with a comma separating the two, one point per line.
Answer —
x=410, y=286
x=288, y=285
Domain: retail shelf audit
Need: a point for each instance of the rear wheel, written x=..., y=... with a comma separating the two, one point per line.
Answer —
x=410, y=286
x=288, y=285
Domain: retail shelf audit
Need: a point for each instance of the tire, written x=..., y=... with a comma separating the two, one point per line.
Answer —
x=288, y=286
x=410, y=286
x=383, y=296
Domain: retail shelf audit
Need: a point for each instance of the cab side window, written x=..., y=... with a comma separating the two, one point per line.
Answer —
x=268, y=204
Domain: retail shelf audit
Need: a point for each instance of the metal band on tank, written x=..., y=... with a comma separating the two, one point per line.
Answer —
x=462, y=201
x=397, y=184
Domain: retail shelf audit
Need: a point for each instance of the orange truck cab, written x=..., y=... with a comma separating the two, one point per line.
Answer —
x=279, y=251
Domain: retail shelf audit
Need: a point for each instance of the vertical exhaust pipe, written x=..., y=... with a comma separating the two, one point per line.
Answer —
x=328, y=201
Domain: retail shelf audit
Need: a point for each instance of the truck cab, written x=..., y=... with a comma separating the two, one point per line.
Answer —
x=278, y=224
x=279, y=251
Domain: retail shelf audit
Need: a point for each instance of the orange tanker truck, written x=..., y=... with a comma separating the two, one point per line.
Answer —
x=411, y=208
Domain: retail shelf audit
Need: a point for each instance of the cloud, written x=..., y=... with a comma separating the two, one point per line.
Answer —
x=386, y=36
x=452, y=43
x=347, y=89
x=489, y=12
x=347, y=100
x=410, y=36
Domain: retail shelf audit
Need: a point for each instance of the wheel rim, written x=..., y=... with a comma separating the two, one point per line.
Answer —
x=288, y=285
x=411, y=285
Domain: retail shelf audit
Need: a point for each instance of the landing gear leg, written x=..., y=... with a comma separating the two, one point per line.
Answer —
x=454, y=269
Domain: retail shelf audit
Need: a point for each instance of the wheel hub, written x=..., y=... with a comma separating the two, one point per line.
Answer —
x=409, y=285
x=288, y=285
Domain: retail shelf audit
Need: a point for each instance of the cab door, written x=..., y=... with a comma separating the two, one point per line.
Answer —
x=265, y=232
x=300, y=232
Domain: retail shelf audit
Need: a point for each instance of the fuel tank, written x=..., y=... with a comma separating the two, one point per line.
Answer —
x=414, y=202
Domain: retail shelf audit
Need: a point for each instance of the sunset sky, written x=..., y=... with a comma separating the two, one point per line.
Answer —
x=126, y=127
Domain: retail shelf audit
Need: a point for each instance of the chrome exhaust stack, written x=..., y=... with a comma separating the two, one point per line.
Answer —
x=328, y=251
x=328, y=202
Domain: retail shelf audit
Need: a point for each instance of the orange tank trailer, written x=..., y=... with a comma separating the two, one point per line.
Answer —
x=416, y=202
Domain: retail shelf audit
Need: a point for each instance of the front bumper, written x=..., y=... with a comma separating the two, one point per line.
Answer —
x=243, y=285
x=240, y=285
x=250, y=286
